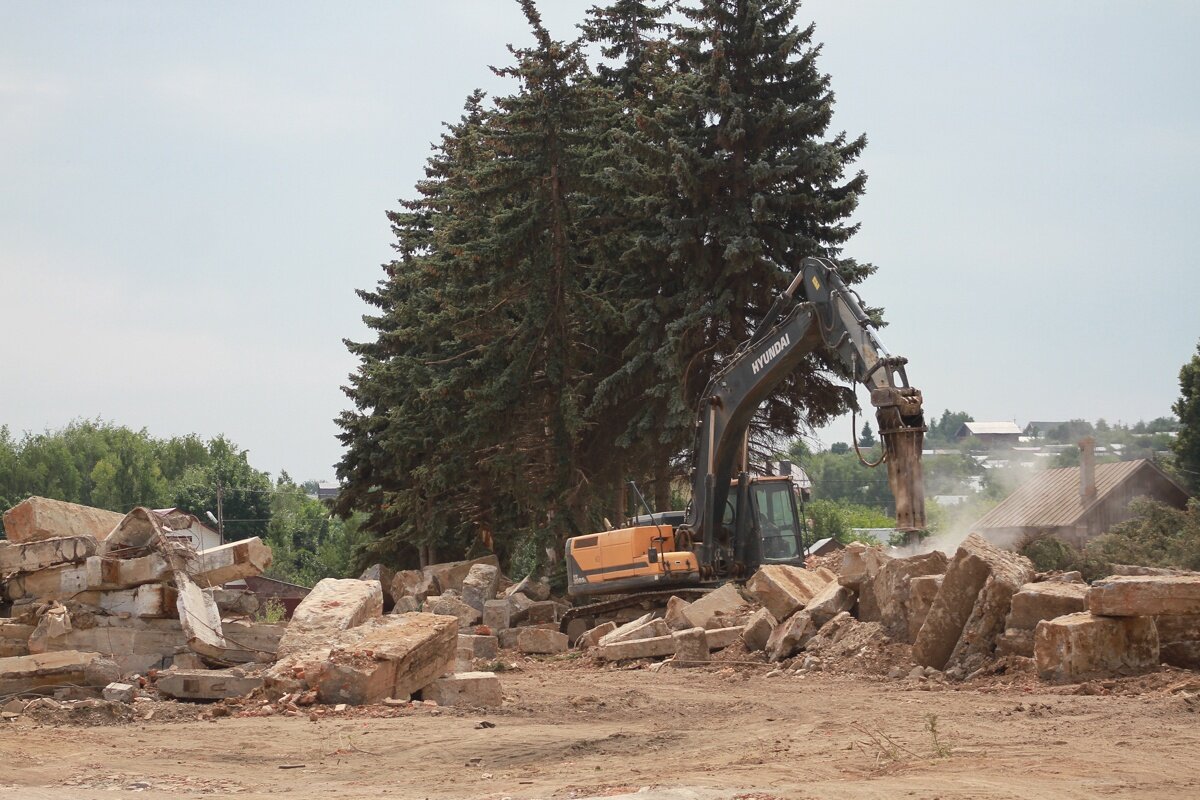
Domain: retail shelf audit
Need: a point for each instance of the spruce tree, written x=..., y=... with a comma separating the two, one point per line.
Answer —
x=1187, y=408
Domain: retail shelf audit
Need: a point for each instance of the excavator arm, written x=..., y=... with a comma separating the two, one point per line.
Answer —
x=831, y=317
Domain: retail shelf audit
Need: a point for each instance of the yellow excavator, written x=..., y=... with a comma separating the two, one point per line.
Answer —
x=737, y=522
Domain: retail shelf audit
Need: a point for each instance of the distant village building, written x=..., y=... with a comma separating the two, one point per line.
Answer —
x=991, y=434
x=1077, y=504
x=187, y=528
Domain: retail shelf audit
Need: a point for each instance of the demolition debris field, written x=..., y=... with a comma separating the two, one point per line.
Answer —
x=572, y=728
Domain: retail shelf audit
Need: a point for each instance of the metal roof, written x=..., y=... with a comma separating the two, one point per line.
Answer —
x=976, y=428
x=1052, y=499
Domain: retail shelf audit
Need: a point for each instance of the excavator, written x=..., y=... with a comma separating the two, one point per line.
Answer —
x=737, y=522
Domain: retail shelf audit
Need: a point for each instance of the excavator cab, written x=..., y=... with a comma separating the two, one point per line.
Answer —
x=771, y=519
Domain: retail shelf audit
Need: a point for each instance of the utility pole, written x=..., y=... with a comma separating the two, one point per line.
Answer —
x=220, y=511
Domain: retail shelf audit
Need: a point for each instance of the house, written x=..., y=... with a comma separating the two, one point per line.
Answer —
x=991, y=434
x=188, y=528
x=1077, y=504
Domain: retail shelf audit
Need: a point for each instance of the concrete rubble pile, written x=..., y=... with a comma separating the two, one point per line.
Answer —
x=90, y=595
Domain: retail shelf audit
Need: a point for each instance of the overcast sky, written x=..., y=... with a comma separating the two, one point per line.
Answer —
x=191, y=193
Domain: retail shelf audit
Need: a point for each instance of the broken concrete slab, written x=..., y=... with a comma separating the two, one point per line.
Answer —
x=691, y=645
x=953, y=616
x=893, y=589
x=332, y=606
x=758, y=630
x=655, y=647
x=497, y=614
x=541, y=641
x=519, y=605
x=206, y=684
x=148, y=600
x=478, y=646
x=390, y=656
x=1047, y=600
x=1015, y=642
x=1080, y=646
x=465, y=690
x=479, y=585
x=725, y=601
x=199, y=618
x=832, y=600
x=38, y=518
x=55, y=583
x=922, y=591
x=235, y=601
x=533, y=589
x=135, y=645
x=451, y=606
x=675, y=616
x=1145, y=595
x=619, y=633
x=784, y=589
x=207, y=568
x=645, y=630
x=229, y=562
x=720, y=638
x=860, y=564
x=44, y=671
x=790, y=636
x=45, y=553
x=450, y=574
x=592, y=637
x=1185, y=655
x=406, y=605
x=413, y=583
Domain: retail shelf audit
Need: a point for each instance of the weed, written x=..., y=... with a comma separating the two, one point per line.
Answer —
x=940, y=750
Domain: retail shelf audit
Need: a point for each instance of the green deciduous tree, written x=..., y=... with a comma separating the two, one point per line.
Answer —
x=1187, y=409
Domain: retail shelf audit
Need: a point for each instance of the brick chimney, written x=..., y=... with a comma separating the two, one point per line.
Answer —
x=1087, y=469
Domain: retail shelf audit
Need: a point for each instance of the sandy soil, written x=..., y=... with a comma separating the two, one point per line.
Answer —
x=571, y=729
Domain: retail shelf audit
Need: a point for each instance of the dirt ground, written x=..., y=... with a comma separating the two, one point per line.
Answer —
x=572, y=729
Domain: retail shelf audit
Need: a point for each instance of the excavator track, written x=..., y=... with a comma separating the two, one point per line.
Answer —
x=628, y=601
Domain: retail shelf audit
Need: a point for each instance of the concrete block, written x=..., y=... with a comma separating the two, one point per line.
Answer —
x=332, y=606
x=55, y=583
x=45, y=670
x=646, y=630
x=758, y=630
x=922, y=591
x=656, y=647
x=206, y=684
x=451, y=606
x=721, y=602
x=413, y=583
x=832, y=600
x=119, y=693
x=478, y=646
x=386, y=657
x=1145, y=595
x=479, y=585
x=720, y=638
x=199, y=618
x=541, y=641
x=497, y=614
x=450, y=575
x=962, y=609
x=135, y=645
x=591, y=638
x=1080, y=646
x=45, y=553
x=893, y=589
x=238, y=602
x=691, y=645
x=1015, y=642
x=866, y=608
x=790, y=636
x=619, y=633
x=1047, y=600
x=465, y=690
x=385, y=576
x=784, y=589
x=508, y=638
x=541, y=611
x=148, y=600
x=38, y=518
x=519, y=607
x=406, y=605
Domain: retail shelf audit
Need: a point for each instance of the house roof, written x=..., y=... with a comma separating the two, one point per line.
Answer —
x=1052, y=499
x=977, y=428
x=1043, y=426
